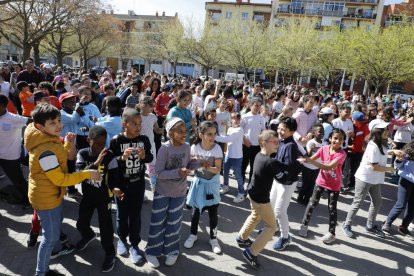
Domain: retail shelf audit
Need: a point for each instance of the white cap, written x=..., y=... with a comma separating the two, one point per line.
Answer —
x=326, y=111
x=377, y=123
x=47, y=66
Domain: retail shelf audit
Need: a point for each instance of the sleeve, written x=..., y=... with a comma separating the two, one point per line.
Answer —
x=113, y=174
x=19, y=121
x=80, y=162
x=229, y=138
x=157, y=107
x=341, y=158
x=147, y=147
x=160, y=164
x=371, y=153
x=69, y=118
x=399, y=122
x=217, y=153
x=96, y=112
x=193, y=164
x=49, y=163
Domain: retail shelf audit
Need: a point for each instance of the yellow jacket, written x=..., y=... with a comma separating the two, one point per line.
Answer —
x=48, y=171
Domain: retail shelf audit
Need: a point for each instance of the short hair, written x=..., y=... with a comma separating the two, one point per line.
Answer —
x=182, y=94
x=344, y=106
x=108, y=86
x=128, y=114
x=114, y=101
x=147, y=100
x=48, y=86
x=266, y=135
x=21, y=84
x=44, y=112
x=235, y=114
x=82, y=89
x=255, y=100
x=97, y=131
x=289, y=122
x=4, y=100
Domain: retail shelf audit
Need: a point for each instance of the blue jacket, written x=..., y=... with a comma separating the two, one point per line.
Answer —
x=70, y=122
x=90, y=110
x=112, y=124
x=406, y=169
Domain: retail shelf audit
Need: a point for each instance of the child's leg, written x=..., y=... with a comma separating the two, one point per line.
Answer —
x=122, y=223
x=409, y=211
x=86, y=209
x=361, y=190
x=134, y=203
x=376, y=202
x=157, y=225
x=173, y=229
x=226, y=170
x=106, y=228
x=246, y=156
x=404, y=196
x=213, y=215
x=308, y=182
x=237, y=164
x=51, y=221
x=254, y=151
x=356, y=159
x=252, y=220
x=332, y=202
x=195, y=218
x=283, y=196
x=313, y=202
x=266, y=214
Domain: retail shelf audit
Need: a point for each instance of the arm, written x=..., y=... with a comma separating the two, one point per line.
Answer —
x=326, y=167
x=147, y=158
x=69, y=118
x=230, y=138
x=217, y=167
x=161, y=163
x=157, y=129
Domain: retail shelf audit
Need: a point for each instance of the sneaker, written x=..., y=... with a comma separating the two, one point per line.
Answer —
x=74, y=194
x=171, y=259
x=252, y=260
x=108, y=263
x=190, y=241
x=63, y=238
x=239, y=198
x=411, y=227
x=281, y=243
x=375, y=230
x=122, y=248
x=53, y=273
x=84, y=242
x=215, y=246
x=386, y=228
x=152, y=261
x=65, y=250
x=135, y=257
x=405, y=232
x=303, y=231
x=328, y=238
x=224, y=189
x=244, y=243
x=32, y=241
x=347, y=230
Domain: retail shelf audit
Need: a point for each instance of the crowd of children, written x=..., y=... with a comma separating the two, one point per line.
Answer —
x=334, y=143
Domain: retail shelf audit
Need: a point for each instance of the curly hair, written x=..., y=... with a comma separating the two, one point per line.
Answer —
x=408, y=149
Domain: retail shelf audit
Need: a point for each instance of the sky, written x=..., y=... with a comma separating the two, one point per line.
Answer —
x=185, y=8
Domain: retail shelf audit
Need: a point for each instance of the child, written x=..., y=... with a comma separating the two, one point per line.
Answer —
x=310, y=172
x=287, y=111
x=332, y=157
x=210, y=115
x=112, y=122
x=265, y=112
x=26, y=98
x=97, y=194
x=405, y=195
x=47, y=178
x=204, y=193
x=132, y=150
x=149, y=125
x=181, y=111
x=282, y=189
x=133, y=99
x=368, y=179
x=173, y=165
x=326, y=116
x=234, y=157
x=222, y=116
x=264, y=170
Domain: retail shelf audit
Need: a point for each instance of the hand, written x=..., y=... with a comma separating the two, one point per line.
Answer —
x=101, y=157
x=247, y=143
x=93, y=119
x=302, y=159
x=70, y=137
x=80, y=111
x=127, y=153
x=183, y=172
x=118, y=193
x=95, y=175
x=399, y=154
x=140, y=152
x=309, y=136
x=303, y=140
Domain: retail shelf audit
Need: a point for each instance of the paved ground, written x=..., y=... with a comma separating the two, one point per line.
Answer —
x=365, y=255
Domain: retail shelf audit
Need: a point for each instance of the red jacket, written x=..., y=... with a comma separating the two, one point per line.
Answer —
x=161, y=105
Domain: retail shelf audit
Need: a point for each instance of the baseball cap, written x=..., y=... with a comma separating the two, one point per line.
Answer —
x=377, y=123
x=47, y=66
x=65, y=96
x=358, y=116
x=326, y=111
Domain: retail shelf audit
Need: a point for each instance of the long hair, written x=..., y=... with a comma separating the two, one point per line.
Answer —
x=334, y=131
x=202, y=128
x=376, y=137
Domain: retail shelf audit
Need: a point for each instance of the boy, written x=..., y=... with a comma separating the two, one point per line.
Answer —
x=112, y=121
x=26, y=98
x=264, y=169
x=47, y=179
x=283, y=189
x=132, y=151
x=97, y=194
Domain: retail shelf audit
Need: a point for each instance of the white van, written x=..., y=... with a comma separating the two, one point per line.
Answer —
x=233, y=76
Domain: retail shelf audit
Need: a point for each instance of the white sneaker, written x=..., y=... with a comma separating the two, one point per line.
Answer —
x=171, y=260
x=215, y=246
x=411, y=227
x=152, y=261
x=328, y=238
x=239, y=198
x=224, y=189
x=303, y=231
x=190, y=241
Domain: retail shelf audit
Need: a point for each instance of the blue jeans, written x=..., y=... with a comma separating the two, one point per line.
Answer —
x=236, y=164
x=51, y=221
x=405, y=200
x=165, y=227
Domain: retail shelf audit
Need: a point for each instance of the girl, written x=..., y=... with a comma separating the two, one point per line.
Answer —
x=405, y=196
x=326, y=116
x=222, y=116
x=204, y=193
x=369, y=176
x=329, y=179
x=293, y=100
x=181, y=111
x=172, y=167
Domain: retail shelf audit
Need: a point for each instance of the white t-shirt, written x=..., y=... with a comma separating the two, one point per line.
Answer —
x=147, y=129
x=209, y=155
x=11, y=135
x=197, y=104
x=234, y=140
x=253, y=126
x=346, y=125
x=312, y=152
x=372, y=155
x=5, y=88
x=277, y=107
x=222, y=117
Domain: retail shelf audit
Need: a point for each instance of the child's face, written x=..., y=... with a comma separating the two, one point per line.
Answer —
x=209, y=136
x=283, y=131
x=185, y=102
x=132, y=126
x=271, y=145
x=211, y=116
x=69, y=103
x=51, y=127
x=223, y=105
x=145, y=108
x=25, y=89
x=86, y=96
x=336, y=140
x=235, y=121
x=255, y=108
x=178, y=134
x=345, y=113
x=318, y=133
x=265, y=111
x=97, y=144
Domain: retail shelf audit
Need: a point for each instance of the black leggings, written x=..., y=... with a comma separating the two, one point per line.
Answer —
x=213, y=215
x=332, y=201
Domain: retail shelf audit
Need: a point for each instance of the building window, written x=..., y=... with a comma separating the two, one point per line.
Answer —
x=258, y=18
x=215, y=15
x=245, y=15
x=297, y=7
x=228, y=15
x=156, y=62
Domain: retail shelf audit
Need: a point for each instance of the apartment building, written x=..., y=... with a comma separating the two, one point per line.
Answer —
x=394, y=13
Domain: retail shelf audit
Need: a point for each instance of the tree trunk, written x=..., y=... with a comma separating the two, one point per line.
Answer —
x=85, y=60
x=59, y=58
x=26, y=51
x=36, y=53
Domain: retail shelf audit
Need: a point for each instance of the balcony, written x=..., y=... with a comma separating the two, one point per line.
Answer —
x=363, y=1
x=311, y=12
